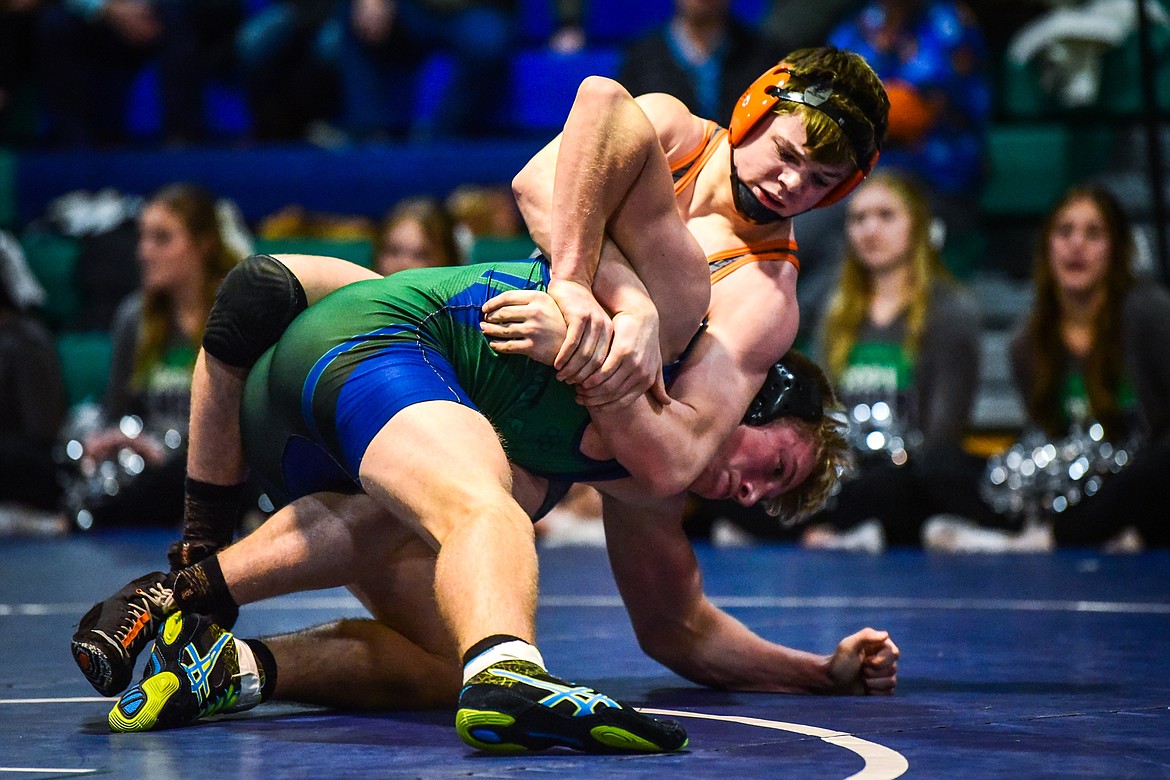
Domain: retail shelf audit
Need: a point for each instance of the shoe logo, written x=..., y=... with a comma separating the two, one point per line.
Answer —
x=586, y=700
x=199, y=669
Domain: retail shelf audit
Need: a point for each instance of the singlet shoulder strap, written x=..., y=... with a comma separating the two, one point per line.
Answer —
x=686, y=169
x=723, y=263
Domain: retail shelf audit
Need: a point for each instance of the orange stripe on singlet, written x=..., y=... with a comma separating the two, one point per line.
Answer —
x=685, y=171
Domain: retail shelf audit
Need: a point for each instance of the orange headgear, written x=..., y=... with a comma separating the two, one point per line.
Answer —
x=778, y=84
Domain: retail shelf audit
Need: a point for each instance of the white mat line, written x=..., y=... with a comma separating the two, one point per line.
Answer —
x=46, y=771
x=61, y=700
x=881, y=762
x=845, y=602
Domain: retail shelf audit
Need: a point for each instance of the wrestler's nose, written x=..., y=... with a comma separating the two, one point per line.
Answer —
x=748, y=493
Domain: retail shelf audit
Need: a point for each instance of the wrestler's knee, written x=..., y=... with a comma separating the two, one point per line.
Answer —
x=461, y=508
x=253, y=307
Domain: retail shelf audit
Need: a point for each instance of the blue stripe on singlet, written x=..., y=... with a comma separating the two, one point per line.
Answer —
x=310, y=387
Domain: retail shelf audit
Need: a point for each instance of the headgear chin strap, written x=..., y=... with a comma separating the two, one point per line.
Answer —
x=787, y=392
x=747, y=204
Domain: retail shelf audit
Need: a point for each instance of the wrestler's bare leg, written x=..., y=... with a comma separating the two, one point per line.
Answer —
x=440, y=467
x=403, y=658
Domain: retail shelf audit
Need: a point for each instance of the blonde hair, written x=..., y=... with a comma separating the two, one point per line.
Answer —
x=197, y=210
x=833, y=455
x=849, y=304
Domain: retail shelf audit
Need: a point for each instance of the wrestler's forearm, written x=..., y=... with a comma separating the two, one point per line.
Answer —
x=721, y=652
x=604, y=146
x=675, y=622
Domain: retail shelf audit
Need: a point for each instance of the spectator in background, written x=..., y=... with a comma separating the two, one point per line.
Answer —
x=91, y=51
x=931, y=56
x=386, y=42
x=286, y=54
x=157, y=330
x=703, y=56
x=1092, y=361
x=32, y=390
x=932, y=59
x=795, y=24
x=900, y=341
x=415, y=233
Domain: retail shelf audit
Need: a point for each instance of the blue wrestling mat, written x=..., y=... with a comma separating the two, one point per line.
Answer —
x=1027, y=666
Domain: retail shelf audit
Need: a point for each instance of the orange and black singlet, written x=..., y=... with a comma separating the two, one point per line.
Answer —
x=685, y=171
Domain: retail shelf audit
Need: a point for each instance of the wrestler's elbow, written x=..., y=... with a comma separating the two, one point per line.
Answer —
x=600, y=90
x=680, y=656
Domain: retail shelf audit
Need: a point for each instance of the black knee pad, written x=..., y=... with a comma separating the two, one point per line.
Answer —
x=253, y=307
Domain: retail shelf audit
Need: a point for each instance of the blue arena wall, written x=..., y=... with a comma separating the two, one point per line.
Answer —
x=362, y=180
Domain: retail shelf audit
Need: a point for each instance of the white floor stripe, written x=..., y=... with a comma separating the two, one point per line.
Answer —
x=287, y=603
x=48, y=771
x=881, y=762
x=67, y=700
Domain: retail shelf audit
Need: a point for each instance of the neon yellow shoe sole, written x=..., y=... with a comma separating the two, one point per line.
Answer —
x=139, y=708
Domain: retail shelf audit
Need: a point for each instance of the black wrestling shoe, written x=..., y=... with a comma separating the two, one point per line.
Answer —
x=112, y=634
x=195, y=670
x=515, y=706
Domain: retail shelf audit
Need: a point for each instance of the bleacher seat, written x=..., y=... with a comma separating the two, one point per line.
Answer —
x=1029, y=168
x=53, y=260
x=488, y=249
x=85, y=364
x=1121, y=75
x=544, y=84
x=615, y=22
x=226, y=109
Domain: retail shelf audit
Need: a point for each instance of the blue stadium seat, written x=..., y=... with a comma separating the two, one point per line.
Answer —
x=618, y=21
x=226, y=110
x=544, y=84
x=85, y=364
x=432, y=85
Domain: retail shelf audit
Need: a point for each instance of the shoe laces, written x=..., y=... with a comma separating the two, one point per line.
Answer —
x=156, y=595
x=161, y=596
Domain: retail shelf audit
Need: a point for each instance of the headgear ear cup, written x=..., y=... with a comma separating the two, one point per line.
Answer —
x=756, y=103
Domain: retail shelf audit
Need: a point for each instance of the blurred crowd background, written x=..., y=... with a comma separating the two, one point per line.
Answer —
x=147, y=145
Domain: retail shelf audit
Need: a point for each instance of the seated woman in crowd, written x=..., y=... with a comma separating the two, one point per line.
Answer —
x=1092, y=363
x=156, y=333
x=900, y=341
x=415, y=233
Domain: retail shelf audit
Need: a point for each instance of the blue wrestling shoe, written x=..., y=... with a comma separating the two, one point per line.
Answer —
x=196, y=669
x=113, y=632
x=515, y=706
